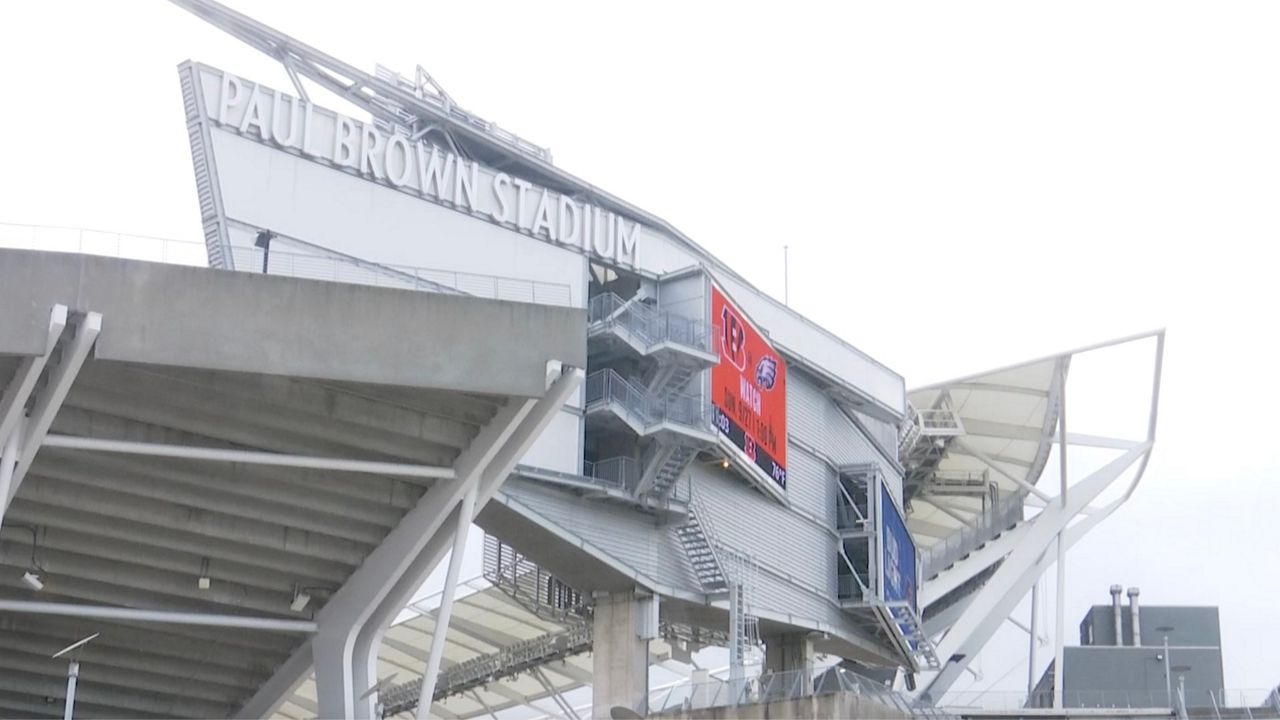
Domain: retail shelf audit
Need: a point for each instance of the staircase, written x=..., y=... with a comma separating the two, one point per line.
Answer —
x=666, y=467
x=701, y=555
x=672, y=378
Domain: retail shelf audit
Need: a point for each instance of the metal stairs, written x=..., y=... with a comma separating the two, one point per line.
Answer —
x=913, y=632
x=706, y=565
x=665, y=468
x=672, y=378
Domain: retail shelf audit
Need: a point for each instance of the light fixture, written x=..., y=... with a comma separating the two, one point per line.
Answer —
x=203, y=581
x=724, y=463
x=34, y=577
x=300, y=599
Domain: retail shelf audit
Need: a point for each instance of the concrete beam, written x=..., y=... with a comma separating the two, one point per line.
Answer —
x=179, y=540
x=174, y=668
x=214, y=648
x=382, y=496
x=242, y=428
x=82, y=471
x=348, y=439
x=171, y=315
x=89, y=690
x=109, y=672
x=306, y=397
x=52, y=491
x=153, y=556
x=233, y=480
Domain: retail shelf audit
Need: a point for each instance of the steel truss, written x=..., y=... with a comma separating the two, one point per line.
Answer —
x=1026, y=553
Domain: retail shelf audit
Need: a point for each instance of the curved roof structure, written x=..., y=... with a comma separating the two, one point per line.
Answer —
x=980, y=443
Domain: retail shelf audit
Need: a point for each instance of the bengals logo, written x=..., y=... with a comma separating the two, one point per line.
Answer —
x=767, y=372
x=733, y=338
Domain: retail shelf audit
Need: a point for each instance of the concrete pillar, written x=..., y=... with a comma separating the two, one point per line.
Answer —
x=623, y=625
x=790, y=653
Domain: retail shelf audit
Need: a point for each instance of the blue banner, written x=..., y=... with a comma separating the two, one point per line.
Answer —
x=899, y=555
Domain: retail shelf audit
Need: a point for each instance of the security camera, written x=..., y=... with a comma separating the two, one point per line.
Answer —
x=33, y=580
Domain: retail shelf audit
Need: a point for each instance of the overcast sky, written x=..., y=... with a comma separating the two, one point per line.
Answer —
x=961, y=186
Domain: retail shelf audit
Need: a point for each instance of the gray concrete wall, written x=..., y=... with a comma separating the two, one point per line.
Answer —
x=221, y=320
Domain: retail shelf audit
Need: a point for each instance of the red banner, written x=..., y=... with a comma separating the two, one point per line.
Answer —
x=749, y=390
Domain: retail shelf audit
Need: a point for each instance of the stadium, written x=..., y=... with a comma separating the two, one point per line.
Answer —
x=229, y=469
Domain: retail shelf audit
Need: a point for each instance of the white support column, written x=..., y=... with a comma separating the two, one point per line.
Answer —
x=561, y=385
x=348, y=610
x=8, y=464
x=1031, y=644
x=13, y=401
x=49, y=401
x=466, y=510
x=351, y=621
x=1017, y=573
x=1059, y=674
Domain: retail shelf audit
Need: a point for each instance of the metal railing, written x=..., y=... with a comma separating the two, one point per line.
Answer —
x=284, y=262
x=528, y=583
x=1262, y=703
x=1006, y=513
x=620, y=472
x=645, y=409
x=771, y=687
x=649, y=324
x=478, y=671
x=849, y=588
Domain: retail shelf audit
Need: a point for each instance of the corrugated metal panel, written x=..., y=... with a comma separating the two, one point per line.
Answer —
x=811, y=484
x=806, y=409
x=207, y=190
x=625, y=535
x=777, y=537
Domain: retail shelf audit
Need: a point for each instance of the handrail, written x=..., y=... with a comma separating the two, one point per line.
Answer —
x=283, y=262
x=650, y=324
x=648, y=409
x=1006, y=514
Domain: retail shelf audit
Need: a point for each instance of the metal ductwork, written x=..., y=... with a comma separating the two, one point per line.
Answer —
x=1135, y=631
x=1117, y=613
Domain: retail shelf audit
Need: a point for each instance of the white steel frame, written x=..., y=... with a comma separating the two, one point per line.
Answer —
x=1028, y=551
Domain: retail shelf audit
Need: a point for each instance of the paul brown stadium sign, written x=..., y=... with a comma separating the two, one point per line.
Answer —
x=434, y=174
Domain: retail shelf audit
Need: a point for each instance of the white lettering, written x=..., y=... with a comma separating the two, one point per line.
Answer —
x=398, y=145
x=306, y=130
x=289, y=122
x=432, y=171
x=500, y=181
x=254, y=114
x=570, y=220
x=464, y=184
x=542, y=218
x=345, y=138
x=521, y=187
x=627, y=241
x=602, y=243
x=230, y=94
x=278, y=114
x=371, y=145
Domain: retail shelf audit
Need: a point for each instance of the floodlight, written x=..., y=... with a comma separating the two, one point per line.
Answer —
x=203, y=581
x=300, y=600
